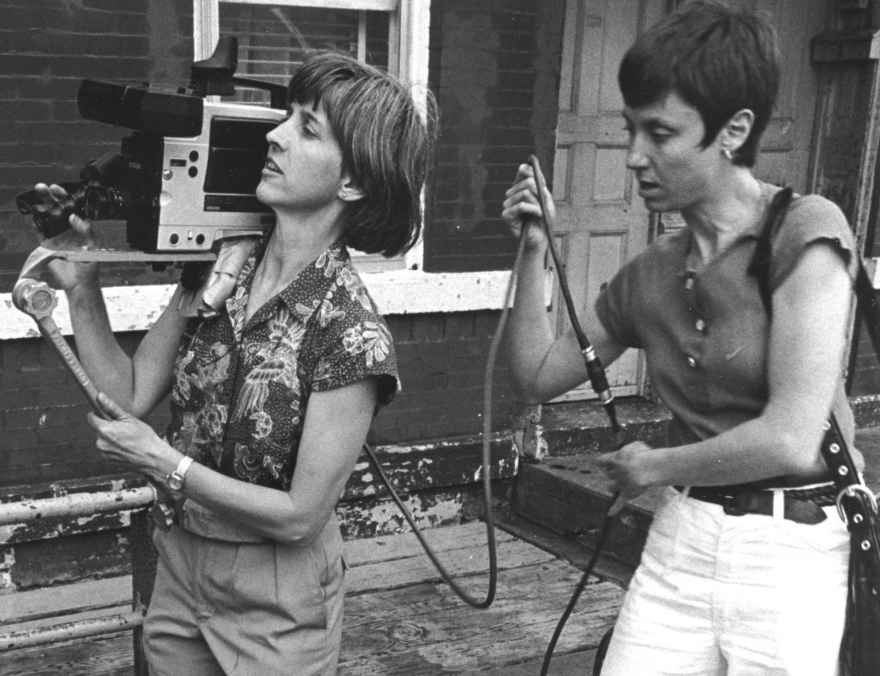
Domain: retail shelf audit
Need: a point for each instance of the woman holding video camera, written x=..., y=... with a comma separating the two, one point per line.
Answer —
x=272, y=399
x=745, y=567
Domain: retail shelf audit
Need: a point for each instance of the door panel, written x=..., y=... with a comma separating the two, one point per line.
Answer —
x=602, y=222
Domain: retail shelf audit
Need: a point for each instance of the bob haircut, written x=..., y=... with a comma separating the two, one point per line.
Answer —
x=386, y=146
x=716, y=58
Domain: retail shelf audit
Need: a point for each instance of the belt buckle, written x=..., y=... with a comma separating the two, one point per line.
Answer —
x=731, y=506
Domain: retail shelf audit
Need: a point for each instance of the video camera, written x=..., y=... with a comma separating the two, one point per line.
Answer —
x=186, y=177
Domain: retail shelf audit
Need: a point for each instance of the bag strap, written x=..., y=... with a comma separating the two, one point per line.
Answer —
x=760, y=265
x=853, y=496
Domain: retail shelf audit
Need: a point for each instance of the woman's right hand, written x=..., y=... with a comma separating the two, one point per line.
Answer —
x=521, y=208
x=64, y=274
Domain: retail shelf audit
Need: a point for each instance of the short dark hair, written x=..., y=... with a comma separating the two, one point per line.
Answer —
x=718, y=59
x=386, y=145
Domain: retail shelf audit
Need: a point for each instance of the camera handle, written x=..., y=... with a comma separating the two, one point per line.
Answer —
x=277, y=93
x=38, y=300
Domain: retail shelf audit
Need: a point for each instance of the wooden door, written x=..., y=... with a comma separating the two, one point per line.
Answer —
x=602, y=220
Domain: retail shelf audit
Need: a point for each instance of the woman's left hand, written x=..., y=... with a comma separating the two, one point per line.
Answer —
x=626, y=469
x=126, y=439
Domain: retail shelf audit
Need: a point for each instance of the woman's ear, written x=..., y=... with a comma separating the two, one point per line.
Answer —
x=349, y=191
x=736, y=131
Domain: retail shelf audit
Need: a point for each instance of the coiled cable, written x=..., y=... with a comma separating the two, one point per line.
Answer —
x=486, y=468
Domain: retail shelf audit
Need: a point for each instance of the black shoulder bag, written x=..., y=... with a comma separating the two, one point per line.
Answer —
x=856, y=504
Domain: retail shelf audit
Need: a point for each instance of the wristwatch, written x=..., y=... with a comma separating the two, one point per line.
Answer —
x=174, y=481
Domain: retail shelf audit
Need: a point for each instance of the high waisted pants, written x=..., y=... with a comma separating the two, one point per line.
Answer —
x=720, y=594
x=248, y=608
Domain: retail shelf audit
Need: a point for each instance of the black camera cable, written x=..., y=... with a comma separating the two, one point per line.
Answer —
x=486, y=469
x=599, y=383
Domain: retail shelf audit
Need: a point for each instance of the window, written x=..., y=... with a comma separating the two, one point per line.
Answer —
x=273, y=37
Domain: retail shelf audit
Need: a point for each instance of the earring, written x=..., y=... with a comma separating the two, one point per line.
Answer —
x=727, y=153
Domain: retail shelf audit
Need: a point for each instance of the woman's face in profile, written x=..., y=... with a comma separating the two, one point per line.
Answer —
x=303, y=168
x=673, y=171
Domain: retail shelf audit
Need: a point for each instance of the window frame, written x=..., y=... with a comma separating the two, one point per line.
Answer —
x=408, y=59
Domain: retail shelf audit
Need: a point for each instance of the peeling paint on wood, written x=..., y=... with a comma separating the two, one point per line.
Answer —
x=439, y=481
x=442, y=464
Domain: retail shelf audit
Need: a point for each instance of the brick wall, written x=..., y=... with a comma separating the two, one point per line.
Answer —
x=46, y=48
x=494, y=68
x=442, y=358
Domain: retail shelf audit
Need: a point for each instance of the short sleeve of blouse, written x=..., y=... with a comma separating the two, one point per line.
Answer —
x=614, y=305
x=810, y=219
x=356, y=346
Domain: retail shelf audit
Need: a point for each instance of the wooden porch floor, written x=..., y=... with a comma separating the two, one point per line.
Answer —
x=400, y=618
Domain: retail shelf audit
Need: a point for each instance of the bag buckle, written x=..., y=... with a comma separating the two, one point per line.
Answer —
x=850, y=492
x=733, y=505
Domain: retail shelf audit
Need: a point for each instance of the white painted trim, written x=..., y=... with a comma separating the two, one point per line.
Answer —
x=414, y=23
x=369, y=5
x=396, y=292
x=872, y=266
x=206, y=28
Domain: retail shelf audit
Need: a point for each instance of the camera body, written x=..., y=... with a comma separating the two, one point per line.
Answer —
x=187, y=175
x=200, y=188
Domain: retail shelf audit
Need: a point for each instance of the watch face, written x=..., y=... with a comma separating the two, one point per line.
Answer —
x=175, y=481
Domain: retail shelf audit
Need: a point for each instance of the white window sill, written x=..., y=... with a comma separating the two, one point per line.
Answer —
x=396, y=292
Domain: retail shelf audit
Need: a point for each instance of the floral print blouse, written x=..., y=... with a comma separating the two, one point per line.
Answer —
x=241, y=387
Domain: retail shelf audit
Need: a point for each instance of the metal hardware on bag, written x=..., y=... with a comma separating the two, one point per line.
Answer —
x=866, y=545
x=163, y=515
x=732, y=507
x=843, y=470
x=850, y=492
x=834, y=448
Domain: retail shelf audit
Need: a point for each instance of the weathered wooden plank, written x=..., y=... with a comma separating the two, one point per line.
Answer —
x=399, y=560
x=578, y=663
x=389, y=547
x=421, y=628
x=425, y=629
x=472, y=561
x=101, y=656
x=49, y=602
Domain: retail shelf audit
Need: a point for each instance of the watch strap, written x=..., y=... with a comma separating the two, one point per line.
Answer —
x=176, y=478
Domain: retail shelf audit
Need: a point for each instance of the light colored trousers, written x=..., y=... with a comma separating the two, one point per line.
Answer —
x=245, y=608
x=718, y=594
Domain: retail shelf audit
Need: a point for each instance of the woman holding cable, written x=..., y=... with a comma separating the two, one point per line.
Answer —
x=745, y=567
